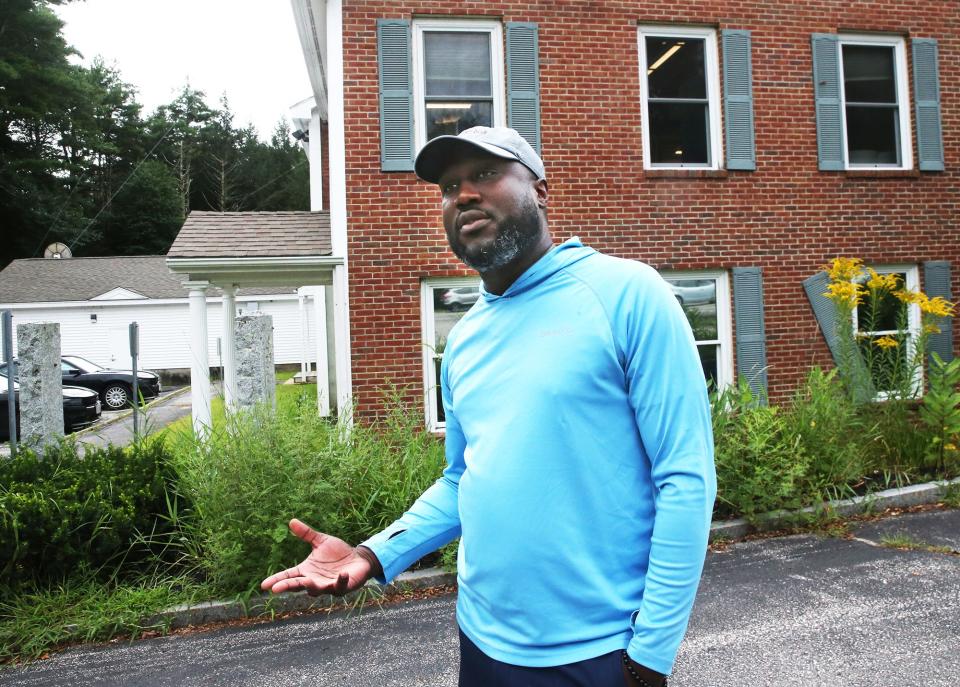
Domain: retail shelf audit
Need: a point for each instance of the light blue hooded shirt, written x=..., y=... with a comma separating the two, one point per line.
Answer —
x=579, y=466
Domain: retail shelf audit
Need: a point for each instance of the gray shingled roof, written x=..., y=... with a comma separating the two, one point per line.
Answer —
x=44, y=280
x=252, y=234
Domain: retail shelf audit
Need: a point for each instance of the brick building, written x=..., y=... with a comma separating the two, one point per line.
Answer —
x=735, y=146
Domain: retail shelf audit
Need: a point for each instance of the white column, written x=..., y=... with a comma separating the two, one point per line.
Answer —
x=336, y=153
x=199, y=357
x=320, y=326
x=229, y=347
x=302, y=295
x=315, y=144
x=341, y=344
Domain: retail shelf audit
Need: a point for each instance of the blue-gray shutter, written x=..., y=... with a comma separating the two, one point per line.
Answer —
x=936, y=282
x=738, y=99
x=396, y=95
x=826, y=89
x=523, y=81
x=751, y=337
x=826, y=314
x=926, y=90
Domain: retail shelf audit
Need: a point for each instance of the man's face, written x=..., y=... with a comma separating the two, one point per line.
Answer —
x=491, y=211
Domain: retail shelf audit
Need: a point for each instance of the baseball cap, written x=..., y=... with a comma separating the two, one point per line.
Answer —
x=442, y=151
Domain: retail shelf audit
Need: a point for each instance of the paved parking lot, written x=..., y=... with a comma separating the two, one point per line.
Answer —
x=800, y=611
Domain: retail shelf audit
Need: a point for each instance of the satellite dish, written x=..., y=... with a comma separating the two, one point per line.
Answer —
x=58, y=250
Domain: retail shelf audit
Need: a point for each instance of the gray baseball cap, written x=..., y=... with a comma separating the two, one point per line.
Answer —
x=442, y=151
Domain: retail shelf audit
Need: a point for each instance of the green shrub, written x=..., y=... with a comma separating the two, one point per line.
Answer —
x=62, y=513
x=263, y=468
x=834, y=437
x=940, y=413
x=761, y=464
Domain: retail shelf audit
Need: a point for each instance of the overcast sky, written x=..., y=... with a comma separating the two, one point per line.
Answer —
x=248, y=49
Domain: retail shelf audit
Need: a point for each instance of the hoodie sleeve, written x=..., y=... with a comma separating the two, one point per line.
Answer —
x=433, y=520
x=667, y=392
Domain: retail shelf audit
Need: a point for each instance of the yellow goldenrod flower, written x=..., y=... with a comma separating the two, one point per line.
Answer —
x=950, y=447
x=882, y=282
x=845, y=292
x=886, y=342
x=931, y=329
x=910, y=297
x=844, y=269
x=937, y=306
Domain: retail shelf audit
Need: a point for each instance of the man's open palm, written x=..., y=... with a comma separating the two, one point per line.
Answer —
x=333, y=566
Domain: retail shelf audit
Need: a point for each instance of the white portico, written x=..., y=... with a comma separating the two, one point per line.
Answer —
x=231, y=250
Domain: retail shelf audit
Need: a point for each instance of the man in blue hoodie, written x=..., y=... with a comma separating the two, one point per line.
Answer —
x=579, y=452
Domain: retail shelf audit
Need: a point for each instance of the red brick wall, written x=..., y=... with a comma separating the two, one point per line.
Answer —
x=786, y=216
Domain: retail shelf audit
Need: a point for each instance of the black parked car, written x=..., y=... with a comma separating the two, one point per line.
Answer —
x=114, y=386
x=81, y=407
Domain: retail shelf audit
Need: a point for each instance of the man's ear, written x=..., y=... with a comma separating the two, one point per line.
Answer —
x=540, y=188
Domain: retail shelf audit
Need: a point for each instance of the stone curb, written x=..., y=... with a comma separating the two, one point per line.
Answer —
x=269, y=604
x=903, y=497
x=93, y=429
x=266, y=604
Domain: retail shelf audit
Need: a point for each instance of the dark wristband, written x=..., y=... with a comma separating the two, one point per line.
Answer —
x=650, y=678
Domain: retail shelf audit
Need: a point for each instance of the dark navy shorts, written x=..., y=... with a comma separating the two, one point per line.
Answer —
x=479, y=670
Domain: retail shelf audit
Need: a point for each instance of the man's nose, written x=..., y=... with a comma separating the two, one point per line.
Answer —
x=467, y=193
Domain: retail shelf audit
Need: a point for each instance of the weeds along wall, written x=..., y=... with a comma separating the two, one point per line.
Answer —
x=786, y=217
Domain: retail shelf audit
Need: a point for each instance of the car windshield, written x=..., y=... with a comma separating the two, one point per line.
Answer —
x=82, y=363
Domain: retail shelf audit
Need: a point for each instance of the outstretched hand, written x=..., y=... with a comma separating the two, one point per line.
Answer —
x=333, y=566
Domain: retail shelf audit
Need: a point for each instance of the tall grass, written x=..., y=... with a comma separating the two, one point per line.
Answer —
x=248, y=479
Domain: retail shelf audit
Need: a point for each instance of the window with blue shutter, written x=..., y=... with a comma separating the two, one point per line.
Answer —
x=396, y=95
x=926, y=89
x=862, y=102
x=936, y=282
x=523, y=82
x=751, y=335
x=738, y=100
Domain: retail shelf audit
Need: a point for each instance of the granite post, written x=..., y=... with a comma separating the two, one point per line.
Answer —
x=256, y=378
x=41, y=384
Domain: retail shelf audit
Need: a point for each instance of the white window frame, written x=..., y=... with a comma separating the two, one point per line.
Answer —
x=421, y=26
x=912, y=283
x=903, y=97
x=725, y=368
x=711, y=70
x=430, y=381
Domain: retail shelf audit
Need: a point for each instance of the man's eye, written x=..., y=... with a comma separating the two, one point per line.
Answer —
x=448, y=189
x=486, y=174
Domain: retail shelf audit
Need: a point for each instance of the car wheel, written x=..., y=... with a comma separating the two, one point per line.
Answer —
x=116, y=396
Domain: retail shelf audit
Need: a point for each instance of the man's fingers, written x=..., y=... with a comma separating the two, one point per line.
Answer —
x=277, y=577
x=312, y=585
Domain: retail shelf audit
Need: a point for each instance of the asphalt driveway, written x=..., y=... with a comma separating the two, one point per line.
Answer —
x=796, y=611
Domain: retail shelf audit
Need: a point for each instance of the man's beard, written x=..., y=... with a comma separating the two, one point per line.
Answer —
x=516, y=235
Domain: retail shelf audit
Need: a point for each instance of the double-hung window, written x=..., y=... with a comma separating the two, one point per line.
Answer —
x=705, y=299
x=443, y=303
x=886, y=328
x=458, y=76
x=875, y=102
x=680, y=97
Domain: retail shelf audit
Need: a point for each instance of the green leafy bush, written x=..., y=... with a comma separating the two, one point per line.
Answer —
x=63, y=513
x=761, y=464
x=835, y=438
x=263, y=468
x=940, y=413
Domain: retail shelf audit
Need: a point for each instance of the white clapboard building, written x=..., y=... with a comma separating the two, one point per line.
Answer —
x=95, y=299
